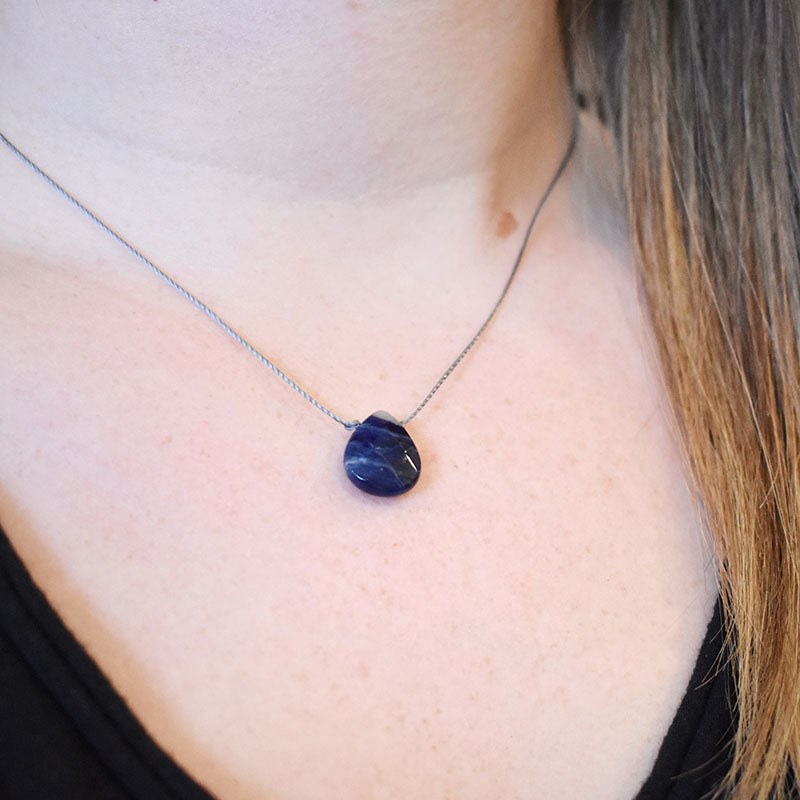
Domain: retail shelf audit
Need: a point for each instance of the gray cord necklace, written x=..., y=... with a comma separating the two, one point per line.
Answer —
x=380, y=457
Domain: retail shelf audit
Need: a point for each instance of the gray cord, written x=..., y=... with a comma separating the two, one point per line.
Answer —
x=352, y=424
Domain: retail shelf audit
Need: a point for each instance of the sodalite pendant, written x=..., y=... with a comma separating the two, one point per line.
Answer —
x=380, y=457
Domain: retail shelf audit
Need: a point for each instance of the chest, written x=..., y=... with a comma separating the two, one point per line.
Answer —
x=521, y=625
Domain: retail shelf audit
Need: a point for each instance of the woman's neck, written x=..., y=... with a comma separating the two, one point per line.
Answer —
x=346, y=99
x=293, y=147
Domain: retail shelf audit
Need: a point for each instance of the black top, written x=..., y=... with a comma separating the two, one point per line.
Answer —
x=65, y=734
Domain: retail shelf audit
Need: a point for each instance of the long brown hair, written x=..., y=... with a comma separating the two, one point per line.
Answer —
x=703, y=100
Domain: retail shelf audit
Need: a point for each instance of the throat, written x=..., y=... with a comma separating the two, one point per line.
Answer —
x=344, y=100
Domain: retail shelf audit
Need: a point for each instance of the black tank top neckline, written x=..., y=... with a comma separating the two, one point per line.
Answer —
x=66, y=733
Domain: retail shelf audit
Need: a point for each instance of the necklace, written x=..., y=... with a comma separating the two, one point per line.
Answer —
x=380, y=457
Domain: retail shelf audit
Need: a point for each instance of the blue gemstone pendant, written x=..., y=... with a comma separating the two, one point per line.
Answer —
x=381, y=458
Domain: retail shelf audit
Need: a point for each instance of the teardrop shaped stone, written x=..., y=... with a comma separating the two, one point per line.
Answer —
x=381, y=458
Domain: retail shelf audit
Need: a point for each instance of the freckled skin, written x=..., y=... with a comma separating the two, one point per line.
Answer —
x=278, y=634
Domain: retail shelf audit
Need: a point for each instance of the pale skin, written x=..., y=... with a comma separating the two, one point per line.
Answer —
x=346, y=183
